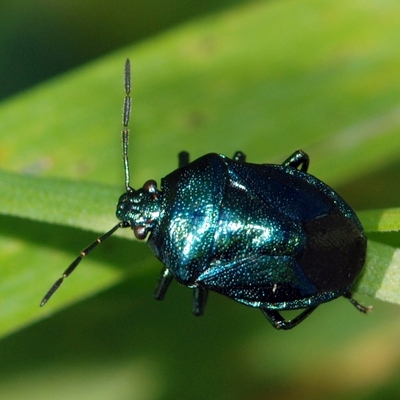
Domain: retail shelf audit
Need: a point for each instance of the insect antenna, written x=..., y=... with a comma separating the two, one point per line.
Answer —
x=125, y=122
x=125, y=142
x=78, y=259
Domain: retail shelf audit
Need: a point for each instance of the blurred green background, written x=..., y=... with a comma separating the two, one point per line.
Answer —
x=265, y=77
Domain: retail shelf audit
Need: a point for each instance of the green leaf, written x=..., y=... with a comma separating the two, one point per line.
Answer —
x=266, y=78
x=387, y=220
x=381, y=275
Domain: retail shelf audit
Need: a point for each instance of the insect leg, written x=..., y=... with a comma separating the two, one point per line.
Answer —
x=200, y=295
x=164, y=281
x=183, y=158
x=296, y=159
x=239, y=157
x=278, y=322
x=356, y=304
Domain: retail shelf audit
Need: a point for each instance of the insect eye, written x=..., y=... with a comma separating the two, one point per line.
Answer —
x=150, y=187
x=140, y=232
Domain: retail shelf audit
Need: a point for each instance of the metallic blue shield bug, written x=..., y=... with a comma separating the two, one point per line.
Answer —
x=269, y=236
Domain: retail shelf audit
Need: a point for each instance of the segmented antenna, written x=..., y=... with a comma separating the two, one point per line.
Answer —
x=125, y=139
x=125, y=122
x=77, y=260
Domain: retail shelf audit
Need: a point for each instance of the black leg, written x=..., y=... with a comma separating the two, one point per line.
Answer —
x=199, y=300
x=163, y=282
x=239, y=157
x=356, y=304
x=278, y=322
x=296, y=159
x=183, y=158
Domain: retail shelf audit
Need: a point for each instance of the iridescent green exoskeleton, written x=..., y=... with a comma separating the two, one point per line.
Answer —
x=269, y=236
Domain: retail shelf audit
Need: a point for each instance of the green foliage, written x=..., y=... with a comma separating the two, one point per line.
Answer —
x=266, y=78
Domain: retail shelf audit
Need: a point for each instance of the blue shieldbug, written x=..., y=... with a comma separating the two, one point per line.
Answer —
x=269, y=236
